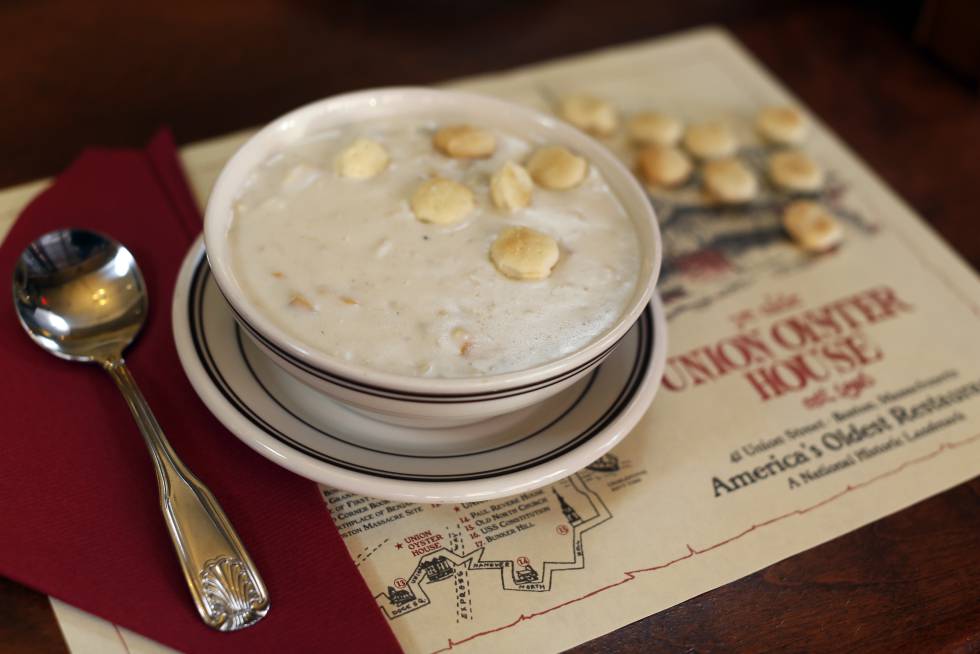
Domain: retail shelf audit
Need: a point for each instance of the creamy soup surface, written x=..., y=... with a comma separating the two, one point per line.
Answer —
x=344, y=265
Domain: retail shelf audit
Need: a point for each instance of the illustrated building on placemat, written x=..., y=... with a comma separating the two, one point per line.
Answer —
x=608, y=462
x=399, y=597
x=437, y=569
x=525, y=575
x=570, y=513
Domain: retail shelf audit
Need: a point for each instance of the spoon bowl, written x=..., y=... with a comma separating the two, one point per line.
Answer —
x=79, y=295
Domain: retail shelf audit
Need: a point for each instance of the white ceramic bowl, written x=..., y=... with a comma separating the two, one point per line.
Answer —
x=417, y=401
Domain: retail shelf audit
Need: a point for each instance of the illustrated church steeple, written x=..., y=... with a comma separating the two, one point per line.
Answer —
x=570, y=513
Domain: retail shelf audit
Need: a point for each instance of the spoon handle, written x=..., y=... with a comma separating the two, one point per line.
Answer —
x=223, y=581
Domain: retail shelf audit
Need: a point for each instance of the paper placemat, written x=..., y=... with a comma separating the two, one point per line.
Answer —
x=804, y=397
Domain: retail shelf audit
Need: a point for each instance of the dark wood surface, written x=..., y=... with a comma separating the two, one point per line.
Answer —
x=74, y=74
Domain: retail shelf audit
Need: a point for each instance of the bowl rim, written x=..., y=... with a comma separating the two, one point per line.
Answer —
x=217, y=221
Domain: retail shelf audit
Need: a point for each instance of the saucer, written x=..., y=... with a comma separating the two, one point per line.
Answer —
x=316, y=437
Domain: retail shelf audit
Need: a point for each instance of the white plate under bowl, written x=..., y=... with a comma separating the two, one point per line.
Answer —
x=318, y=438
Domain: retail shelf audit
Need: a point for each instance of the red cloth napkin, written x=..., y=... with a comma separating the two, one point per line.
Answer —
x=79, y=516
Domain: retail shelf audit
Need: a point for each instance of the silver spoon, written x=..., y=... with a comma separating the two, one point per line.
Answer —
x=81, y=297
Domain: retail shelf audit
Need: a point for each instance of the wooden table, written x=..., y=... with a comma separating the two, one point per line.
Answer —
x=75, y=74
